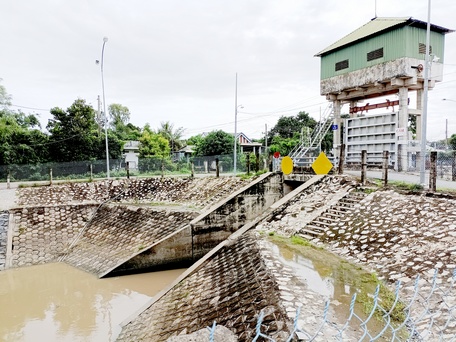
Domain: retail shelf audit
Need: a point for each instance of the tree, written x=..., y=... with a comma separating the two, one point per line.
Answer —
x=283, y=145
x=195, y=140
x=291, y=126
x=74, y=135
x=452, y=142
x=216, y=143
x=153, y=145
x=5, y=98
x=20, y=142
x=119, y=116
x=174, y=136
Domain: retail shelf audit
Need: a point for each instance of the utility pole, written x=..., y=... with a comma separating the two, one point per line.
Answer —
x=99, y=115
x=266, y=137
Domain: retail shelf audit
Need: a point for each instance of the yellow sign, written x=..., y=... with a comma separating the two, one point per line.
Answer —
x=287, y=165
x=322, y=165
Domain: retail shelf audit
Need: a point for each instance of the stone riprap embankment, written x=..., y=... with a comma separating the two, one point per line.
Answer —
x=232, y=288
x=42, y=234
x=312, y=202
x=400, y=236
x=397, y=235
x=4, y=218
x=199, y=192
x=117, y=233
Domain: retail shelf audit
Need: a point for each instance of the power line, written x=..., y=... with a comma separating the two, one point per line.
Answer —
x=42, y=109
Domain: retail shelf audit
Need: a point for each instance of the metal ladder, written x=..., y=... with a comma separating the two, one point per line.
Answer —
x=300, y=153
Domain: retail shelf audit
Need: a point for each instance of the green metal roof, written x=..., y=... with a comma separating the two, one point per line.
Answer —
x=376, y=26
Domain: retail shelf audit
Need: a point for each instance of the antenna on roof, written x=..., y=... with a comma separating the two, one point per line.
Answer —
x=375, y=9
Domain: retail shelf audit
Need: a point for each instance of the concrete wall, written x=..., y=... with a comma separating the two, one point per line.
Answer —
x=214, y=226
x=41, y=234
x=210, y=228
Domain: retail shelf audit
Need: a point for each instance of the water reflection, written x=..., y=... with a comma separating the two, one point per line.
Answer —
x=56, y=302
x=331, y=277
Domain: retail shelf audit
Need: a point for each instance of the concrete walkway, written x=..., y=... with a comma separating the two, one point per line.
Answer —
x=412, y=178
x=7, y=198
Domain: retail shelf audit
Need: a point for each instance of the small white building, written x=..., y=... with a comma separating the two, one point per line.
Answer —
x=131, y=154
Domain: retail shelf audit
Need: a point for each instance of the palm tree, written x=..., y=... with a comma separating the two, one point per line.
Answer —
x=174, y=136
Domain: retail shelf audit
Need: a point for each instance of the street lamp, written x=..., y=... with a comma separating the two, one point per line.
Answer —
x=235, y=135
x=105, y=39
x=425, y=98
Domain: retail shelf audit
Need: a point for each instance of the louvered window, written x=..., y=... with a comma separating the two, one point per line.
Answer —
x=422, y=49
x=342, y=65
x=375, y=54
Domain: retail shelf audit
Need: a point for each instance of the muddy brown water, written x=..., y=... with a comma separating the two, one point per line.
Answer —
x=56, y=302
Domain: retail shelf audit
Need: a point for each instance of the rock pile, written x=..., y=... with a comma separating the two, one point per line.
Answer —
x=200, y=192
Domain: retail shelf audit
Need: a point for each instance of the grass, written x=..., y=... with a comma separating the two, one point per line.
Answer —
x=406, y=186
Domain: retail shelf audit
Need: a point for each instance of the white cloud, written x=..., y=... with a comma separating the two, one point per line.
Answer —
x=176, y=60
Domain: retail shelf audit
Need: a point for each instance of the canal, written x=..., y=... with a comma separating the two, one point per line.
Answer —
x=56, y=302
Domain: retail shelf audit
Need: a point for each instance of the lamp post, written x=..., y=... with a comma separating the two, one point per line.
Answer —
x=425, y=100
x=235, y=127
x=105, y=39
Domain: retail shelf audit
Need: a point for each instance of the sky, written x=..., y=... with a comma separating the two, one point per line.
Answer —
x=177, y=60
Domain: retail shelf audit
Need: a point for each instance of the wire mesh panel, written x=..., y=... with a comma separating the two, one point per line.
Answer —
x=425, y=311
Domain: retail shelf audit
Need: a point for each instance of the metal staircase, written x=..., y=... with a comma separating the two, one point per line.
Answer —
x=305, y=153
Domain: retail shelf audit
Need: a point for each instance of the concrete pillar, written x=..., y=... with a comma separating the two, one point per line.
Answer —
x=337, y=106
x=353, y=104
x=419, y=106
x=402, y=161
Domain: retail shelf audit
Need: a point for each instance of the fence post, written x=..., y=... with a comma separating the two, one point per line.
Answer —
x=91, y=171
x=257, y=162
x=193, y=169
x=163, y=167
x=127, y=167
x=363, y=167
x=453, y=167
x=8, y=180
x=217, y=170
x=248, y=164
x=50, y=176
x=341, y=159
x=385, y=168
x=433, y=172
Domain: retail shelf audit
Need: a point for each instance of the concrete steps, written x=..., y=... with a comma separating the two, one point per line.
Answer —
x=331, y=216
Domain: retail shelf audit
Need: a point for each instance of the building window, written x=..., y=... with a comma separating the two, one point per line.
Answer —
x=422, y=49
x=375, y=54
x=342, y=65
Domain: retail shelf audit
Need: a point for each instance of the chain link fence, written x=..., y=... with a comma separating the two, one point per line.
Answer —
x=445, y=163
x=118, y=168
x=424, y=311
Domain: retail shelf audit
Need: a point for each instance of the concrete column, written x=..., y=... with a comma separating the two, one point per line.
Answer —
x=353, y=104
x=337, y=133
x=419, y=106
x=403, y=123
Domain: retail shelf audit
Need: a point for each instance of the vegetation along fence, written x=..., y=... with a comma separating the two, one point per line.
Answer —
x=425, y=311
x=118, y=168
